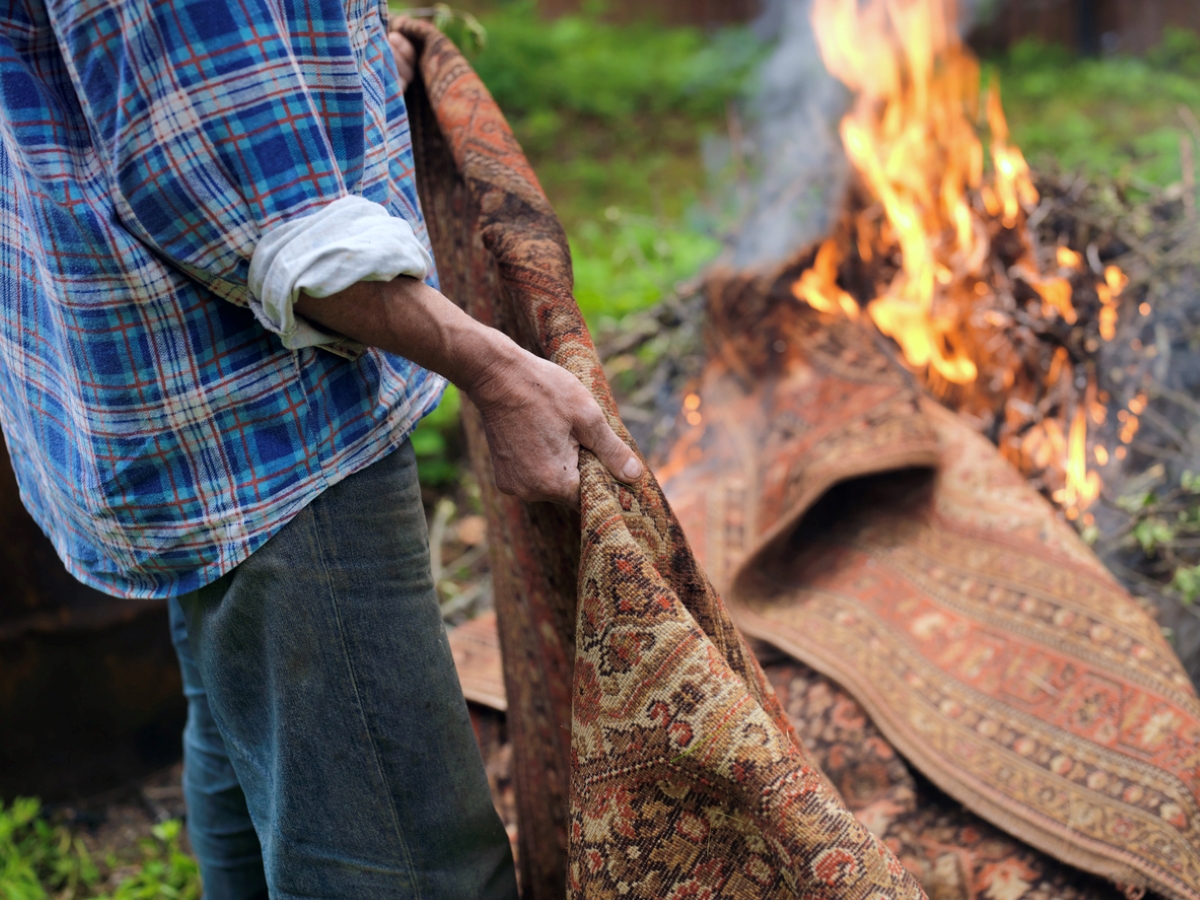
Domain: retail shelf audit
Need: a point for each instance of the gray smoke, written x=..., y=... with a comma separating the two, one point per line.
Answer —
x=795, y=147
x=802, y=167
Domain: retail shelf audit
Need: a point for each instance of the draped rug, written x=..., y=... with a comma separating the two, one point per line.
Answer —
x=873, y=535
x=651, y=755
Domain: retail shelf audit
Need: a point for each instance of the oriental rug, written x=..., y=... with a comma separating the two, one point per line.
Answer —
x=871, y=534
x=953, y=853
x=652, y=759
x=650, y=754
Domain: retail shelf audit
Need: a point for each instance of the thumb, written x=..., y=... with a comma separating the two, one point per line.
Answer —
x=594, y=433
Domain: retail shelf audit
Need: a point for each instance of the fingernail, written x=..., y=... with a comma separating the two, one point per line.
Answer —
x=632, y=470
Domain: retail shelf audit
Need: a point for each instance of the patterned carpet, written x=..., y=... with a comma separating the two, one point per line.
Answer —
x=978, y=639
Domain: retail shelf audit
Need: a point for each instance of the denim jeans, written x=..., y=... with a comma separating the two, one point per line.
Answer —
x=328, y=751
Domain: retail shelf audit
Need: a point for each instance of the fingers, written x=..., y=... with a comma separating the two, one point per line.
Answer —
x=536, y=416
x=593, y=431
x=403, y=52
x=394, y=23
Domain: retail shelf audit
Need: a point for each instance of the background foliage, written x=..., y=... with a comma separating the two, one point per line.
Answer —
x=1117, y=117
x=612, y=118
x=42, y=860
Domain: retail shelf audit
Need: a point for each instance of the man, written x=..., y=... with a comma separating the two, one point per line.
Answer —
x=219, y=324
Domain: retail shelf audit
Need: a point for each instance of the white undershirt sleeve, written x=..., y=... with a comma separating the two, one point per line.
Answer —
x=350, y=240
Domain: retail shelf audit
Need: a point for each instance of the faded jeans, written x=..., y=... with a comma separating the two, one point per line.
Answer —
x=328, y=751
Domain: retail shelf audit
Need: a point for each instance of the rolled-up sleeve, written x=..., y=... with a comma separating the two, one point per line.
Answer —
x=221, y=124
x=350, y=240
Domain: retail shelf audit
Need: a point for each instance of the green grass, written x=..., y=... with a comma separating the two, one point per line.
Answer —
x=433, y=442
x=612, y=118
x=40, y=860
x=1117, y=117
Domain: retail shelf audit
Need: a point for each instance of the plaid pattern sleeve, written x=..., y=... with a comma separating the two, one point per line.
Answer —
x=159, y=432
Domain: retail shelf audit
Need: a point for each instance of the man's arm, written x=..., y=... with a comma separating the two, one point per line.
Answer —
x=536, y=414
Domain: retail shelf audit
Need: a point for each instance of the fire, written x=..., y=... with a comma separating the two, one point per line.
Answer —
x=1114, y=282
x=1068, y=258
x=818, y=285
x=1012, y=191
x=933, y=216
x=1082, y=486
x=917, y=151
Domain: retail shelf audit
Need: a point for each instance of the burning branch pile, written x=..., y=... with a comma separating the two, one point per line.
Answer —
x=938, y=247
x=1059, y=314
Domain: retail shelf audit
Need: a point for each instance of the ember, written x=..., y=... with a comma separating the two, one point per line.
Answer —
x=938, y=248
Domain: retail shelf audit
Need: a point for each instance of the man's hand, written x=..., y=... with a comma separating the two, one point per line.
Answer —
x=536, y=414
x=402, y=50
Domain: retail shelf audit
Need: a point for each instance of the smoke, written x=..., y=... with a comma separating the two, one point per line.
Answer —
x=794, y=143
x=797, y=152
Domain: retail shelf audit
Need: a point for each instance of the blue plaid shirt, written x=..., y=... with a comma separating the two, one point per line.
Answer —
x=159, y=433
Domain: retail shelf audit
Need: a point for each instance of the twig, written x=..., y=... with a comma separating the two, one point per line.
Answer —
x=1150, y=254
x=1151, y=450
x=641, y=332
x=631, y=413
x=1183, y=544
x=1133, y=575
x=463, y=601
x=1035, y=217
x=1177, y=397
x=437, y=536
x=1189, y=119
x=1163, y=424
x=1187, y=162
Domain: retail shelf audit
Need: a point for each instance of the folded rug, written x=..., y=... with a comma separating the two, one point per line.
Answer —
x=871, y=534
x=651, y=756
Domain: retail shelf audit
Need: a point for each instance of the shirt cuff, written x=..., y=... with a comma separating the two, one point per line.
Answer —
x=349, y=240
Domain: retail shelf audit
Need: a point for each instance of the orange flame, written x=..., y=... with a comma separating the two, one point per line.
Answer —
x=913, y=139
x=1068, y=258
x=1014, y=191
x=1083, y=486
x=818, y=285
x=1108, y=291
x=1056, y=297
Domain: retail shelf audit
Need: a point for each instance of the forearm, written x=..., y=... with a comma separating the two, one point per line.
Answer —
x=536, y=415
x=407, y=317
